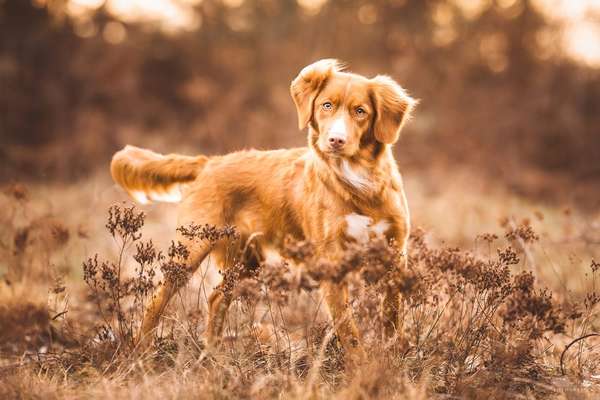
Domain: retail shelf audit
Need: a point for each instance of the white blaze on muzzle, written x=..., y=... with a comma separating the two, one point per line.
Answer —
x=338, y=129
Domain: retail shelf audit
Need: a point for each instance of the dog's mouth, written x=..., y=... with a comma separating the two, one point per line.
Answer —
x=332, y=153
x=338, y=153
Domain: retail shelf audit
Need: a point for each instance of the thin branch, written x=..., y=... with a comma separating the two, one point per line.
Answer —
x=60, y=314
x=562, y=356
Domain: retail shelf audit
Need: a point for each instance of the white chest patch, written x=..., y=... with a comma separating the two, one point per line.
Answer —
x=361, y=228
x=380, y=228
x=353, y=177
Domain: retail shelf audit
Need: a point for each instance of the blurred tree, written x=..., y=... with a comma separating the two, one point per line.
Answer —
x=496, y=91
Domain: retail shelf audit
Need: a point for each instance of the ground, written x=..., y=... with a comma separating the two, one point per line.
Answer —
x=476, y=323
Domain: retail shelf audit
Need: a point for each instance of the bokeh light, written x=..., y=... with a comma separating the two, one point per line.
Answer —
x=579, y=39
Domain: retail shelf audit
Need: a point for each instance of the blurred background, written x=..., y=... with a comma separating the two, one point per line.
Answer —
x=509, y=89
x=507, y=132
x=506, y=139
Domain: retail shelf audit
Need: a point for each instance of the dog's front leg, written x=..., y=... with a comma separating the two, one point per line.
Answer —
x=392, y=311
x=336, y=296
x=392, y=303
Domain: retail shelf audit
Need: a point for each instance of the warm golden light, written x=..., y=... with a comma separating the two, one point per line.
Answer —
x=580, y=37
x=114, y=32
x=581, y=34
x=471, y=9
x=85, y=28
x=582, y=42
x=312, y=7
x=233, y=3
x=168, y=14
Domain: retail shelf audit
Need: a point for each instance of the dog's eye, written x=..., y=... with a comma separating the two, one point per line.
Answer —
x=360, y=112
x=327, y=106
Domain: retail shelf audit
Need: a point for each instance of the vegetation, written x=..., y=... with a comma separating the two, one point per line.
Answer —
x=474, y=323
x=500, y=163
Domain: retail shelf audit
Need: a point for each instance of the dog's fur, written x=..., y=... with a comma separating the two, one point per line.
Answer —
x=345, y=186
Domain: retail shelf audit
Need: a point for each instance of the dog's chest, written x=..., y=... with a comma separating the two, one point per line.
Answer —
x=361, y=228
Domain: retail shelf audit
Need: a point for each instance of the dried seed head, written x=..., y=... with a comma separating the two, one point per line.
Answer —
x=208, y=232
x=523, y=231
x=125, y=222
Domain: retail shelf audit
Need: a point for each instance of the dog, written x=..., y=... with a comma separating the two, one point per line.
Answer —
x=343, y=187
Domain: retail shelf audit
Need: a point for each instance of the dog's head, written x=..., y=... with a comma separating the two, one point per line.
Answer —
x=348, y=111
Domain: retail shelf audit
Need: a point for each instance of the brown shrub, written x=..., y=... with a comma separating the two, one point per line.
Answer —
x=471, y=326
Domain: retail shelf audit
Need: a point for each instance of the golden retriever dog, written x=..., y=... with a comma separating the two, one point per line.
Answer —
x=343, y=187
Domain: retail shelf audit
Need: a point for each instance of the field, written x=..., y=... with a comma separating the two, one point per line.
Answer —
x=500, y=162
x=479, y=320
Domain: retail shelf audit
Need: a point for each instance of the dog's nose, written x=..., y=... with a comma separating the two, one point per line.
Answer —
x=337, y=142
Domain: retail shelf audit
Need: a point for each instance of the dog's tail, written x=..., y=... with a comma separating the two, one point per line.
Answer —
x=147, y=175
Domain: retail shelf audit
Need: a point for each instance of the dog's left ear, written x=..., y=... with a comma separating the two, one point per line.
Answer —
x=307, y=85
x=392, y=108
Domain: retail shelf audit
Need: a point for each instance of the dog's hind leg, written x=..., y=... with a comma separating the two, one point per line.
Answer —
x=159, y=301
x=248, y=255
x=218, y=304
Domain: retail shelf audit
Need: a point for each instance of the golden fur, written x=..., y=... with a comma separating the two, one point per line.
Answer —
x=345, y=186
x=147, y=175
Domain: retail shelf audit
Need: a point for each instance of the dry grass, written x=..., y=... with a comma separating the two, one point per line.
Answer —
x=478, y=320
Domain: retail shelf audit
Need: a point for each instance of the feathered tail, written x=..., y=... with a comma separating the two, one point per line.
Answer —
x=147, y=175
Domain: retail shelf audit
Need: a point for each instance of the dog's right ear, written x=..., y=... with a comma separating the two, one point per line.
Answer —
x=308, y=84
